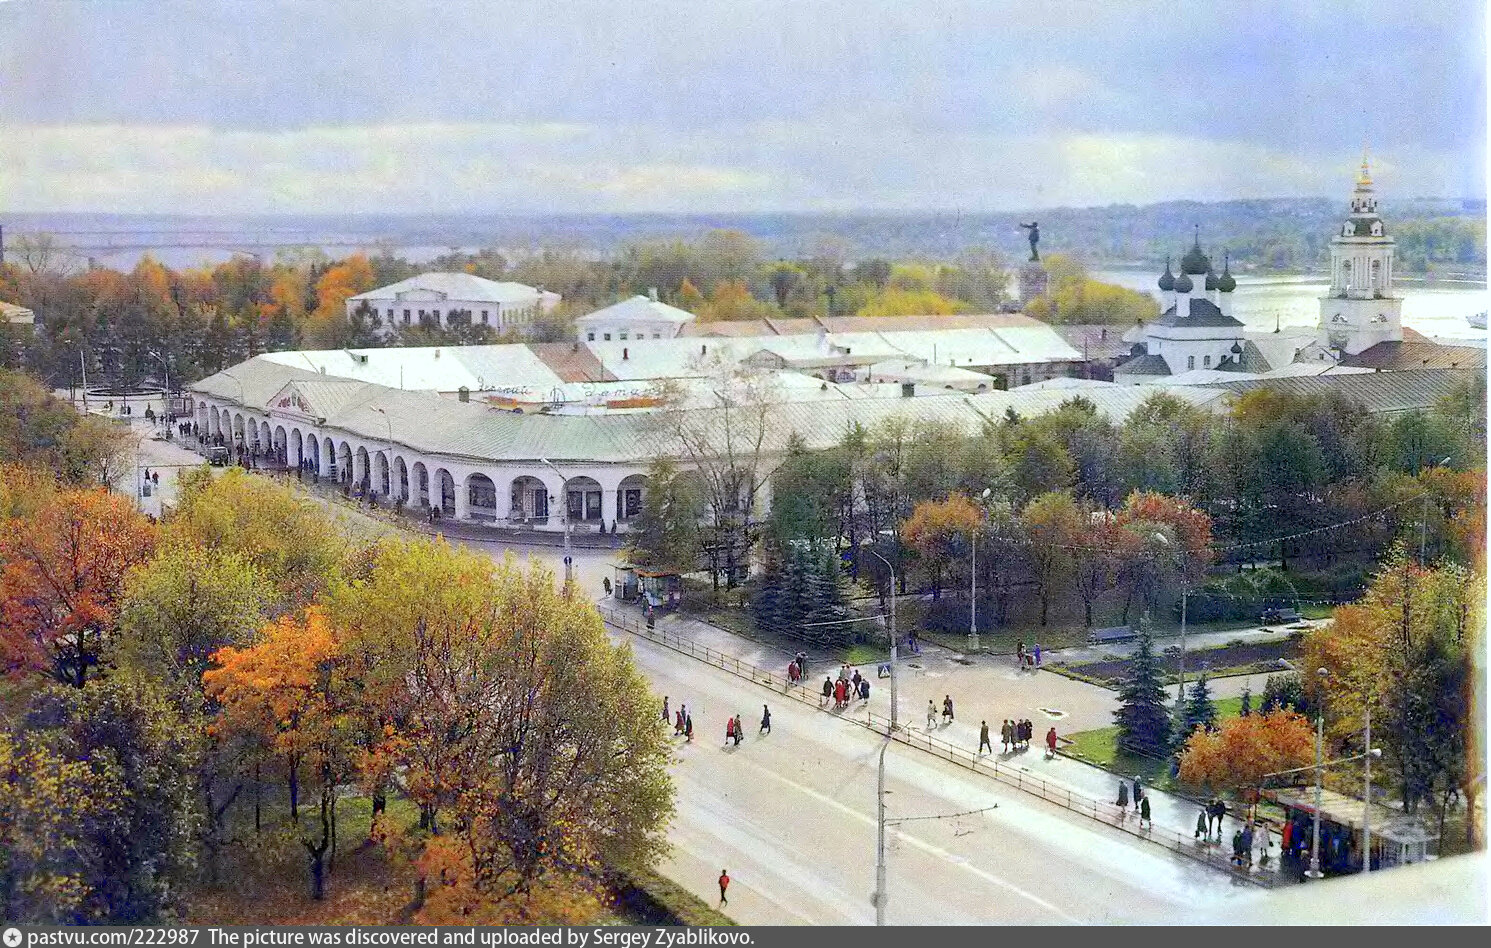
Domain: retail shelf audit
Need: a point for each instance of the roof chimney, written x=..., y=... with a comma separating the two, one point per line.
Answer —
x=625, y=353
x=464, y=394
x=703, y=349
x=652, y=293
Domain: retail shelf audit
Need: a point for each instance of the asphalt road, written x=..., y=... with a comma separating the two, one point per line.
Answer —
x=791, y=815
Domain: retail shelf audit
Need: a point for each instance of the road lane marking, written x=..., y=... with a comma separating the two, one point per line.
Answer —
x=926, y=847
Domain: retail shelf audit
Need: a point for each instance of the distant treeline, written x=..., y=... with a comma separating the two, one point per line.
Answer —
x=1273, y=234
x=129, y=328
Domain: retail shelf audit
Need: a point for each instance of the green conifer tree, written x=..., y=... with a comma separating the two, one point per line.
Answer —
x=1200, y=711
x=1142, y=717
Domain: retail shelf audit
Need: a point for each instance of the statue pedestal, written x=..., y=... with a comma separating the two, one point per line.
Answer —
x=1034, y=280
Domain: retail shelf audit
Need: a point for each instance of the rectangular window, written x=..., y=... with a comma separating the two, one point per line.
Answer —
x=485, y=319
x=576, y=505
x=590, y=337
x=657, y=335
x=1190, y=362
x=592, y=505
x=406, y=317
x=608, y=337
x=1206, y=360
x=623, y=337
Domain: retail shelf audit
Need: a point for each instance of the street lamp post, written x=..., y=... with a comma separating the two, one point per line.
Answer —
x=1314, y=871
x=388, y=461
x=1185, y=591
x=569, y=561
x=894, y=703
x=973, y=588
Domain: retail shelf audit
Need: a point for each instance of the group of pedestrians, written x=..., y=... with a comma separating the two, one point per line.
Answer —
x=947, y=712
x=849, y=686
x=1209, y=820
x=797, y=669
x=1028, y=661
x=1141, y=802
x=683, y=722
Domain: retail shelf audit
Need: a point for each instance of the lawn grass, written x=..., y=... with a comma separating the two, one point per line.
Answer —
x=1099, y=746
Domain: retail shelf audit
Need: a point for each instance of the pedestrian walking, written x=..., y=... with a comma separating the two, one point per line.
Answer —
x=1218, y=811
x=1037, y=655
x=1203, y=824
x=947, y=709
x=864, y=689
x=1263, y=846
x=931, y=715
x=729, y=730
x=666, y=714
x=1138, y=789
x=739, y=729
x=724, y=884
x=1237, y=842
x=840, y=692
x=688, y=728
x=678, y=724
x=828, y=689
x=1247, y=845
x=155, y=478
x=1019, y=654
x=765, y=720
x=1123, y=799
x=1006, y=736
x=1144, y=813
x=1051, y=743
x=983, y=737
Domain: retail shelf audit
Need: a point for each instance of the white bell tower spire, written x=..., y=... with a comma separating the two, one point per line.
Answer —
x=1359, y=310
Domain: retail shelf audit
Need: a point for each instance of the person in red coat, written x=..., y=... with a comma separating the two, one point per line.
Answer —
x=1051, y=743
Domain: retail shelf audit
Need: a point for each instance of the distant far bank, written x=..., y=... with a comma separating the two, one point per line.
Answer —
x=1440, y=238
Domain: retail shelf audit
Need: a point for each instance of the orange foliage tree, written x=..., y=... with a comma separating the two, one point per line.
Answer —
x=940, y=530
x=1238, y=754
x=62, y=581
x=287, y=690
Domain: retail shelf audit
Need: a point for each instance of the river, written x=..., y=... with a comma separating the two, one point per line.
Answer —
x=1262, y=302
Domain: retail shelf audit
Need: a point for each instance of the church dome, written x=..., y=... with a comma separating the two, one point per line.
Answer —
x=1226, y=283
x=1211, y=279
x=1167, y=279
x=1183, y=283
x=1237, y=348
x=1195, y=262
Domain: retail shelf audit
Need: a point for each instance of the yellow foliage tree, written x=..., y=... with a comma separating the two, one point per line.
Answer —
x=732, y=299
x=1238, y=754
x=895, y=301
x=940, y=530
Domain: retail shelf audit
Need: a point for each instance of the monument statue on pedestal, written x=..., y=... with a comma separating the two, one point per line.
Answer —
x=1035, y=237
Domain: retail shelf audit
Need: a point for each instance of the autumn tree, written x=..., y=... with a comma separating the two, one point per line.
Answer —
x=1054, y=524
x=286, y=539
x=1238, y=754
x=97, y=814
x=183, y=606
x=517, y=717
x=941, y=531
x=288, y=689
x=62, y=581
x=1406, y=648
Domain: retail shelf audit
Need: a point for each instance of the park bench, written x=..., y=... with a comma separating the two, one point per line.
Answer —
x=1117, y=633
x=1280, y=616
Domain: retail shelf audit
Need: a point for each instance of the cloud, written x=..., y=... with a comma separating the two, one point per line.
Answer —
x=571, y=167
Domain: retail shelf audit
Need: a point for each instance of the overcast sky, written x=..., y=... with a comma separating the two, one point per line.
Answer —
x=730, y=105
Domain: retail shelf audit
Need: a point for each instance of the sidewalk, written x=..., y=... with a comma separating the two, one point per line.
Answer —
x=973, y=687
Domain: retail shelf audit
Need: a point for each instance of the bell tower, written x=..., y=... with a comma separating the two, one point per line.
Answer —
x=1359, y=310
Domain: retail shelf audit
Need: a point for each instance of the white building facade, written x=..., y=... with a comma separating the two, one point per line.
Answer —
x=445, y=300
x=637, y=319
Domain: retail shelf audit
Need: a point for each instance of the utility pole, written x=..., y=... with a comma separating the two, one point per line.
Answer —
x=1314, y=870
x=894, y=703
x=973, y=600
